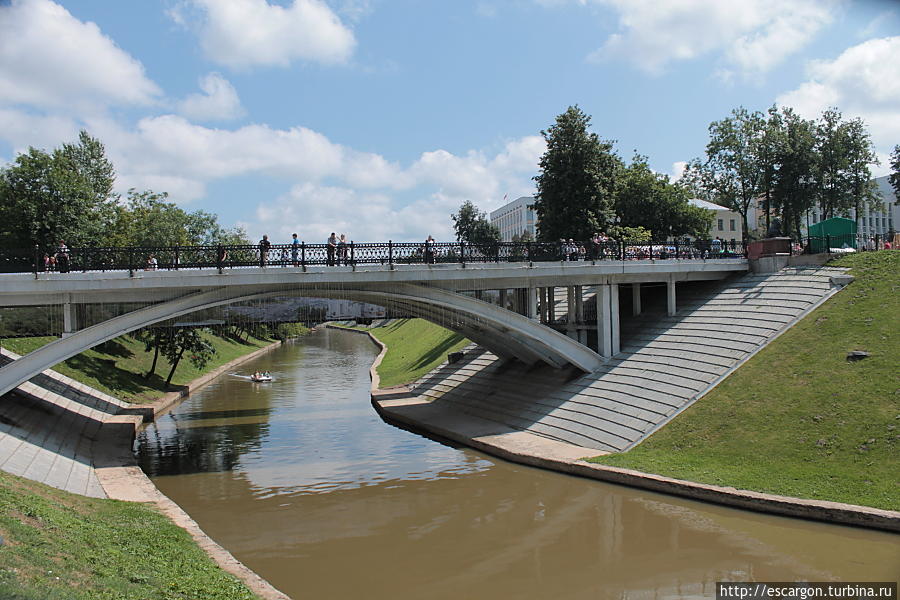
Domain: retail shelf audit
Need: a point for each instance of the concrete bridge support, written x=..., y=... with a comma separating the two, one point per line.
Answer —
x=635, y=299
x=670, y=296
x=608, y=333
x=70, y=318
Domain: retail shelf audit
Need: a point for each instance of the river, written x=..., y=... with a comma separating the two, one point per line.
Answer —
x=307, y=486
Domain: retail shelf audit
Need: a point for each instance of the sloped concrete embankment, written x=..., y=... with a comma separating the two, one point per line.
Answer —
x=551, y=418
x=68, y=435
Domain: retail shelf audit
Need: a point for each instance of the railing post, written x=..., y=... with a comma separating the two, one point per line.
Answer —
x=529, y=250
x=828, y=244
x=219, y=258
x=391, y=252
x=37, y=255
x=177, y=257
x=621, y=249
x=130, y=261
x=462, y=252
x=352, y=255
x=303, y=255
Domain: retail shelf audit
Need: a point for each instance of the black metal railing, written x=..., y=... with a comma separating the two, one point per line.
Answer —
x=136, y=258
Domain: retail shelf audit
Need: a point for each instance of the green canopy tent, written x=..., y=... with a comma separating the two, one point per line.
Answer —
x=836, y=232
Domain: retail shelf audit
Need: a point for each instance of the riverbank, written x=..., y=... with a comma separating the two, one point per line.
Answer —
x=416, y=347
x=109, y=546
x=800, y=419
x=118, y=367
x=841, y=480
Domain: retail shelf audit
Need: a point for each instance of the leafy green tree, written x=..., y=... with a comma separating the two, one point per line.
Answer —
x=63, y=195
x=734, y=170
x=768, y=153
x=185, y=340
x=647, y=199
x=895, y=171
x=794, y=191
x=472, y=225
x=148, y=219
x=860, y=155
x=576, y=183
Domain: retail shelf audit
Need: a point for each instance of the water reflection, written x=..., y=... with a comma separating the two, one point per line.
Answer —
x=302, y=482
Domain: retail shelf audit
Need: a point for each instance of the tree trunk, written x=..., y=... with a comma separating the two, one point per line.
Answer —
x=174, y=366
x=155, y=356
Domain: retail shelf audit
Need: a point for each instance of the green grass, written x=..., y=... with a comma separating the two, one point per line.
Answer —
x=117, y=367
x=798, y=419
x=415, y=346
x=58, y=545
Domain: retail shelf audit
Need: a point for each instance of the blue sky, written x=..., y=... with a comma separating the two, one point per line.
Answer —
x=378, y=118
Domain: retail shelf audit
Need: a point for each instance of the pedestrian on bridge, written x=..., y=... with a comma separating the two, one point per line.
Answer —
x=264, y=245
x=62, y=257
x=295, y=248
x=330, y=247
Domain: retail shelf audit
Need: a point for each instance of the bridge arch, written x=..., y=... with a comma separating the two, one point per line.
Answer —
x=504, y=332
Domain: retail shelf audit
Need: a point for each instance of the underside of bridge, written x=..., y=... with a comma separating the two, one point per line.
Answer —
x=505, y=332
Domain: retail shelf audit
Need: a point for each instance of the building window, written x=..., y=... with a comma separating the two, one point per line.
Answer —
x=731, y=225
x=721, y=225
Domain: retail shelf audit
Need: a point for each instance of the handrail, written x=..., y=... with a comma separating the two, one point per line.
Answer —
x=137, y=258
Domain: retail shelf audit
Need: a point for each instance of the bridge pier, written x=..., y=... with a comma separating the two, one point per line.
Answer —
x=531, y=297
x=608, y=334
x=670, y=297
x=635, y=299
x=70, y=318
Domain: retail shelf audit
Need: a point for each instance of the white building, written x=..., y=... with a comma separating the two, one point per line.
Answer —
x=726, y=225
x=515, y=218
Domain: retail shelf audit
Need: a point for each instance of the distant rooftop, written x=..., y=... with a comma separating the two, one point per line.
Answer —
x=705, y=204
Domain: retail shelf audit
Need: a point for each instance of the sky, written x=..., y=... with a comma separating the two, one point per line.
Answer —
x=379, y=118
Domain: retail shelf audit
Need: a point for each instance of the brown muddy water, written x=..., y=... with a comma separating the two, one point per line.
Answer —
x=303, y=482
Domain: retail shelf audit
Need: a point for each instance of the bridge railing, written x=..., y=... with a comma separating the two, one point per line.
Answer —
x=136, y=258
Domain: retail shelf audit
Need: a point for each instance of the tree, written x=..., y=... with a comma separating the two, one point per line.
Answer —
x=860, y=154
x=734, y=168
x=576, y=183
x=794, y=190
x=66, y=194
x=768, y=152
x=895, y=171
x=647, y=199
x=147, y=219
x=472, y=225
x=174, y=345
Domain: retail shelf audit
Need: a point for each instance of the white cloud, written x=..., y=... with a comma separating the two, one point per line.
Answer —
x=246, y=33
x=677, y=170
x=864, y=81
x=752, y=35
x=50, y=59
x=218, y=102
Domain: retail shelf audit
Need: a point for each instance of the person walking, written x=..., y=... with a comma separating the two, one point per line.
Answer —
x=330, y=248
x=429, y=251
x=264, y=245
x=342, y=249
x=295, y=248
x=62, y=257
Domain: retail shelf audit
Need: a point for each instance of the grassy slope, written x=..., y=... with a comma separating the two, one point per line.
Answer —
x=798, y=419
x=415, y=346
x=117, y=367
x=62, y=546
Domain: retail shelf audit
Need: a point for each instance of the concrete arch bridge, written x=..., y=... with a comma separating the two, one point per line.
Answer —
x=558, y=313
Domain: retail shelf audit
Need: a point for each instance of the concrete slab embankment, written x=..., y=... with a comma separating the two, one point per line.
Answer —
x=667, y=362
